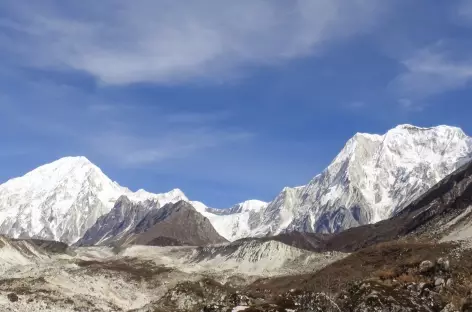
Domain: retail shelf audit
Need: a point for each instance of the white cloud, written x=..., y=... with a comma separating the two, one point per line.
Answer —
x=432, y=71
x=122, y=42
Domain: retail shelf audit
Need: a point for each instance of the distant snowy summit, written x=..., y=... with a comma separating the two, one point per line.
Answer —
x=61, y=200
x=371, y=178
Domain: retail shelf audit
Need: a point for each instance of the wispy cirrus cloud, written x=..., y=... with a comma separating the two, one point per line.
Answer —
x=123, y=42
x=442, y=66
x=132, y=150
x=430, y=71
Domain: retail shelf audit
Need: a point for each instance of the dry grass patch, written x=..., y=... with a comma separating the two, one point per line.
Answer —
x=385, y=274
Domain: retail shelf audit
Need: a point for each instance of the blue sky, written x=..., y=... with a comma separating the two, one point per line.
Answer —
x=227, y=100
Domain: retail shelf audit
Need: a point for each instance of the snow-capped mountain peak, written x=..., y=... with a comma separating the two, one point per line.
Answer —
x=369, y=180
x=61, y=200
x=49, y=175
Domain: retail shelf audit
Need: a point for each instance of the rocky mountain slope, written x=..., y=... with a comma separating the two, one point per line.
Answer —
x=121, y=220
x=442, y=213
x=372, y=178
x=62, y=200
x=174, y=224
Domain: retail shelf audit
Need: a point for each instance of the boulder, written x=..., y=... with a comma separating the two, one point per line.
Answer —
x=426, y=266
x=12, y=297
x=443, y=264
x=423, y=286
x=439, y=282
x=449, y=282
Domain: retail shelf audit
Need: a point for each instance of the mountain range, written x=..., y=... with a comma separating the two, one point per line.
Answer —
x=371, y=179
x=138, y=251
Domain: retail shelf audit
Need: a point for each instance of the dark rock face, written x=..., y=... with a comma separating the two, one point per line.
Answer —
x=179, y=223
x=110, y=228
x=145, y=223
x=13, y=297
